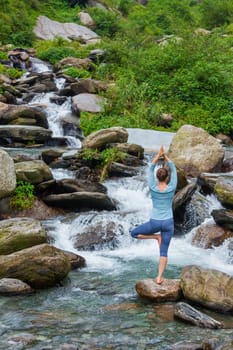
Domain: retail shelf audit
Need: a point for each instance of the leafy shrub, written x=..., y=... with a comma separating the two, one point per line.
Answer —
x=107, y=22
x=3, y=55
x=55, y=54
x=12, y=73
x=77, y=72
x=23, y=196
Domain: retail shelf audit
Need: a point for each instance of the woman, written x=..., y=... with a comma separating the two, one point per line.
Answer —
x=162, y=191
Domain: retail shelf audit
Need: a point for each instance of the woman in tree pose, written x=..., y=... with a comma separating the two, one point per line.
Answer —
x=162, y=192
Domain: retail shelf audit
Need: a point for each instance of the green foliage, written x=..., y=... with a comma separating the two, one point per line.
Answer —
x=55, y=54
x=75, y=72
x=23, y=196
x=216, y=13
x=12, y=73
x=3, y=55
x=89, y=154
x=107, y=22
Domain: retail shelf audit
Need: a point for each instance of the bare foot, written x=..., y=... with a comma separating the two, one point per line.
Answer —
x=159, y=280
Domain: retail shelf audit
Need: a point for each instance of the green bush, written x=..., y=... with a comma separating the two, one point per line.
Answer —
x=107, y=22
x=23, y=196
x=12, y=73
x=77, y=72
x=55, y=54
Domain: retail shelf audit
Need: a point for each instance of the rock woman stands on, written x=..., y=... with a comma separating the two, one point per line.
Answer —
x=162, y=193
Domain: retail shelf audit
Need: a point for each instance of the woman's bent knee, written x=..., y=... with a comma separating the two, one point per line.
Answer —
x=134, y=234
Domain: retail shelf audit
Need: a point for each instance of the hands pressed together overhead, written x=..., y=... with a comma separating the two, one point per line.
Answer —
x=161, y=153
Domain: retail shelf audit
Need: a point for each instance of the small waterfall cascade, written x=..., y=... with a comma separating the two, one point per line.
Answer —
x=55, y=112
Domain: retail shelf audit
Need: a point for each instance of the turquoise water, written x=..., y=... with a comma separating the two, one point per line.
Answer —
x=95, y=310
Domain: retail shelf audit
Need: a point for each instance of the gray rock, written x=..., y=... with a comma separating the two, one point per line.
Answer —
x=25, y=133
x=7, y=174
x=86, y=102
x=77, y=201
x=34, y=171
x=207, y=287
x=20, y=233
x=189, y=314
x=223, y=217
x=195, y=151
x=46, y=29
x=13, y=286
x=103, y=137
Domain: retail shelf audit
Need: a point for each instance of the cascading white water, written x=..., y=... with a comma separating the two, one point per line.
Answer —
x=134, y=207
x=55, y=113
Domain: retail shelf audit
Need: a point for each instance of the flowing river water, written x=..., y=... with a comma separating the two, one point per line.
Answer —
x=97, y=306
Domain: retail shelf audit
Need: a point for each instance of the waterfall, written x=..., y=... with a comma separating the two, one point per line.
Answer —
x=134, y=205
x=55, y=113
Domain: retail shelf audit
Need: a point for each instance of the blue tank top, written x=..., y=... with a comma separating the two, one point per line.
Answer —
x=162, y=200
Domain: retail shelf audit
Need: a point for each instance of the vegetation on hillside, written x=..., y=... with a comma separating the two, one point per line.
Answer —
x=155, y=58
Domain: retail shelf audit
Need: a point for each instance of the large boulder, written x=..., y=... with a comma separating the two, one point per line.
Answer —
x=24, y=134
x=195, y=151
x=24, y=115
x=17, y=234
x=34, y=171
x=99, y=139
x=81, y=201
x=207, y=287
x=41, y=266
x=46, y=29
x=7, y=174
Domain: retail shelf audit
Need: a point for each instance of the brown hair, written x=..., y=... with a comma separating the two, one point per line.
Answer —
x=162, y=174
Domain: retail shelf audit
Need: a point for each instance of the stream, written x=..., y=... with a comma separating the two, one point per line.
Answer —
x=97, y=306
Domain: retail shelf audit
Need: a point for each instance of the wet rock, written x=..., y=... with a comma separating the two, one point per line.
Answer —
x=35, y=171
x=48, y=266
x=227, y=165
x=119, y=170
x=20, y=233
x=183, y=196
x=195, y=151
x=209, y=235
x=189, y=314
x=169, y=290
x=11, y=113
x=23, y=134
x=208, y=287
x=223, y=217
x=98, y=235
x=77, y=201
x=76, y=261
x=13, y=286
